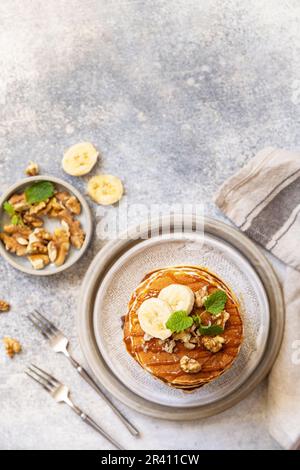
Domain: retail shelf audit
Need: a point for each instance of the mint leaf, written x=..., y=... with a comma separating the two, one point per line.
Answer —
x=212, y=330
x=9, y=209
x=39, y=192
x=196, y=320
x=179, y=321
x=215, y=302
x=15, y=218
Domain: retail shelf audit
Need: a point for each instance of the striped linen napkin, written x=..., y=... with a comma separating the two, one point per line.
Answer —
x=263, y=200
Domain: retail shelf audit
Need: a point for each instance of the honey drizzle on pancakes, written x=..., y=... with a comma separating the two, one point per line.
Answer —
x=163, y=365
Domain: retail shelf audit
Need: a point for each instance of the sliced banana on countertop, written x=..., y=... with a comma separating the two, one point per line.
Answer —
x=79, y=159
x=153, y=315
x=105, y=189
x=179, y=297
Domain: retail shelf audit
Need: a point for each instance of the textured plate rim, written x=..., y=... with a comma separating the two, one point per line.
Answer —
x=105, y=377
x=153, y=241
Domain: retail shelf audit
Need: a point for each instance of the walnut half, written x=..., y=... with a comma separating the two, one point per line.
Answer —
x=12, y=346
x=39, y=261
x=32, y=169
x=169, y=346
x=70, y=202
x=60, y=246
x=185, y=338
x=200, y=296
x=4, y=306
x=76, y=232
x=12, y=245
x=37, y=242
x=214, y=344
x=189, y=365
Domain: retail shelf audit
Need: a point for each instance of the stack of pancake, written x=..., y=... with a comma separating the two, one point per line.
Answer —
x=165, y=365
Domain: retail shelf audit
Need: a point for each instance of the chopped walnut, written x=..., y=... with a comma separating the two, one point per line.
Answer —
x=76, y=232
x=52, y=251
x=53, y=208
x=213, y=344
x=73, y=205
x=43, y=235
x=189, y=345
x=224, y=317
x=61, y=242
x=183, y=336
x=195, y=340
x=169, y=346
x=21, y=240
x=19, y=202
x=62, y=196
x=12, y=245
x=200, y=296
x=39, y=261
x=189, y=365
x=36, y=243
x=4, y=306
x=32, y=220
x=21, y=230
x=32, y=169
x=12, y=346
x=70, y=202
x=36, y=209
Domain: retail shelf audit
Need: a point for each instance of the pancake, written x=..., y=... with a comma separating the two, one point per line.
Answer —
x=151, y=353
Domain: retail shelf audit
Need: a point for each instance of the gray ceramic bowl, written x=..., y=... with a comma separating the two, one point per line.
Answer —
x=85, y=218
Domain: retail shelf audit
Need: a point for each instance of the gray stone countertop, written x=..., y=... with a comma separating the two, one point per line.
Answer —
x=177, y=95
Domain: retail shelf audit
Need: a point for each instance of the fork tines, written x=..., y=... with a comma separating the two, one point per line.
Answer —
x=47, y=381
x=42, y=324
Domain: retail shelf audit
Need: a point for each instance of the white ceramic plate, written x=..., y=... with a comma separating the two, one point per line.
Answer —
x=127, y=272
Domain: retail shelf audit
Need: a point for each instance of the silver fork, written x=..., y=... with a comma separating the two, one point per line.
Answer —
x=59, y=343
x=61, y=394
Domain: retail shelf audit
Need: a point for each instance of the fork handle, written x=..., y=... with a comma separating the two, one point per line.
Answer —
x=87, y=419
x=86, y=376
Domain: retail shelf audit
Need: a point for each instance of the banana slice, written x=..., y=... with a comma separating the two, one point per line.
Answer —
x=179, y=297
x=105, y=189
x=153, y=315
x=79, y=159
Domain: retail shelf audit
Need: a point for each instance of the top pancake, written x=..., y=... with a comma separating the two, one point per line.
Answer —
x=164, y=365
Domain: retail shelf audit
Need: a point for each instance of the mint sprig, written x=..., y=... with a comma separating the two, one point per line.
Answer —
x=211, y=330
x=9, y=209
x=207, y=330
x=15, y=218
x=179, y=321
x=39, y=192
x=215, y=302
x=196, y=320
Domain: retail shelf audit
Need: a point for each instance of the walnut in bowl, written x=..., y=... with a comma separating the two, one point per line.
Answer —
x=45, y=225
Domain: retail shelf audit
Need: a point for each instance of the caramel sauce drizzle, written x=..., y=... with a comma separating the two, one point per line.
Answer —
x=150, y=287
